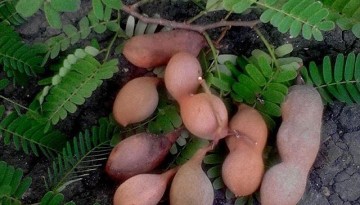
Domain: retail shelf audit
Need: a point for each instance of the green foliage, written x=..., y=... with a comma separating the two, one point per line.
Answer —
x=76, y=81
x=134, y=28
x=166, y=120
x=214, y=160
x=339, y=80
x=246, y=200
x=9, y=14
x=262, y=80
x=85, y=154
x=346, y=14
x=12, y=184
x=18, y=59
x=52, y=198
x=189, y=150
x=307, y=17
x=3, y=84
x=28, y=135
x=222, y=72
x=98, y=20
x=52, y=9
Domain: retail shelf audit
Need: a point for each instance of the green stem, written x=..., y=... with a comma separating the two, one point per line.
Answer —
x=112, y=40
x=274, y=60
x=337, y=83
x=17, y=104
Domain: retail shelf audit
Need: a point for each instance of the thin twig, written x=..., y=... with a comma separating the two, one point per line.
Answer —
x=224, y=30
x=174, y=24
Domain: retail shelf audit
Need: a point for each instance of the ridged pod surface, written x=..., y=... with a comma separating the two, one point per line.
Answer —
x=248, y=122
x=243, y=168
x=205, y=116
x=298, y=142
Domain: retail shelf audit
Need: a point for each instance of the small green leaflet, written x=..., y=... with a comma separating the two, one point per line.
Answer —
x=65, y=5
x=52, y=16
x=114, y=4
x=27, y=8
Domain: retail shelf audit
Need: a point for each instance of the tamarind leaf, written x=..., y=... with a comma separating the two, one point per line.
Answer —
x=130, y=26
x=343, y=92
x=278, y=87
x=356, y=30
x=228, y=4
x=315, y=74
x=189, y=150
x=283, y=50
x=166, y=120
x=267, y=15
x=255, y=74
x=269, y=121
x=65, y=5
x=273, y=96
x=353, y=91
x=241, y=201
x=140, y=28
x=213, y=5
x=72, y=32
x=4, y=83
x=241, y=6
x=316, y=33
x=306, y=76
x=2, y=110
x=114, y=4
x=27, y=8
x=265, y=67
x=214, y=172
x=327, y=72
x=349, y=67
x=257, y=54
x=357, y=68
x=219, y=83
x=244, y=93
x=98, y=8
x=232, y=68
x=249, y=82
x=52, y=16
x=285, y=75
x=213, y=159
x=324, y=95
x=84, y=26
x=218, y=183
x=339, y=68
x=269, y=108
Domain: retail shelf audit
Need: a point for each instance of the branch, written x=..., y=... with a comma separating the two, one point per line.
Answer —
x=173, y=24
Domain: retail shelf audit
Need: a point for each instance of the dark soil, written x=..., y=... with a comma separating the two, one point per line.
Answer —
x=335, y=177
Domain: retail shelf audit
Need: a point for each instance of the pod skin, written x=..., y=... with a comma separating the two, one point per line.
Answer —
x=139, y=154
x=243, y=168
x=205, y=116
x=182, y=75
x=298, y=142
x=152, y=50
x=249, y=123
x=143, y=189
x=136, y=100
x=191, y=186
